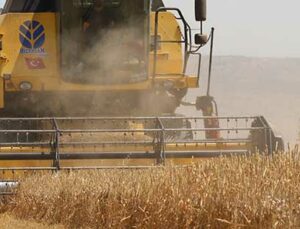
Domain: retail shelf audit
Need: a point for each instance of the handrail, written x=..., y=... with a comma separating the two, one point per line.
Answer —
x=186, y=41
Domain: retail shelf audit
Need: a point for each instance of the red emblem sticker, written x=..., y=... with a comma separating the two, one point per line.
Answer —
x=35, y=63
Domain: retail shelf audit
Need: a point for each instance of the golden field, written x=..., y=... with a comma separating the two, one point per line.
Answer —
x=9, y=222
x=239, y=192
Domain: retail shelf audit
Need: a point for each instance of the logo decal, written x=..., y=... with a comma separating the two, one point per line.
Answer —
x=32, y=37
x=35, y=63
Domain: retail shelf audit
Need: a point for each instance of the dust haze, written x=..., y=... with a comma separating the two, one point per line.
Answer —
x=255, y=86
x=113, y=56
x=240, y=85
x=113, y=53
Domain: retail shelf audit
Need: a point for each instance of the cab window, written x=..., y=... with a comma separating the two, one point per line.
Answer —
x=15, y=6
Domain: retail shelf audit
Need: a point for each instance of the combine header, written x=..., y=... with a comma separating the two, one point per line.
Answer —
x=104, y=59
x=90, y=143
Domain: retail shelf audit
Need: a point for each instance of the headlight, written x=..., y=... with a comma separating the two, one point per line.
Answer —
x=25, y=86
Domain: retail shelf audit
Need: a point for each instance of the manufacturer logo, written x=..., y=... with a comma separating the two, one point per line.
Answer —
x=32, y=37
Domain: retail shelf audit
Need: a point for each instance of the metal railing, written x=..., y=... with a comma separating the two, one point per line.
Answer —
x=187, y=38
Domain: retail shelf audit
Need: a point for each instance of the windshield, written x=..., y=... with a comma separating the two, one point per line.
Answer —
x=105, y=41
x=15, y=6
x=50, y=5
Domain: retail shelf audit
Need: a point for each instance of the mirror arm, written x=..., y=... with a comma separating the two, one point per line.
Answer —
x=201, y=27
x=210, y=59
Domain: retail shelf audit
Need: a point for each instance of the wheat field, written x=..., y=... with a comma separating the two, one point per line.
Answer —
x=238, y=192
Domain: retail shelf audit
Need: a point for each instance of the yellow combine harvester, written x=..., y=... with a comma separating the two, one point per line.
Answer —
x=122, y=63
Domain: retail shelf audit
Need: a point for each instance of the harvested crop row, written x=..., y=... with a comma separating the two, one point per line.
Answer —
x=257, y=191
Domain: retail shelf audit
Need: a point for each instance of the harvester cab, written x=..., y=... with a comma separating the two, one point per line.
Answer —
x=109, y=40
x=96, y=83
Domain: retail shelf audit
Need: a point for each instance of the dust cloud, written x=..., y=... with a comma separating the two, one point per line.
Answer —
x=255, y=86
x=114, y=54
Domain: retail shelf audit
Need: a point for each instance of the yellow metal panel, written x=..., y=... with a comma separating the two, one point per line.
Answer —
x=48, y=78
x=1, y=93
x=168, y=30
x=58, y=85
x=180, y=81
x=134, y=148
x=192, y=82
x=19, y=55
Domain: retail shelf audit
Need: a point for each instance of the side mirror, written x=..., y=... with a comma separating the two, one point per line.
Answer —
x=201, y=39
x=200, y=10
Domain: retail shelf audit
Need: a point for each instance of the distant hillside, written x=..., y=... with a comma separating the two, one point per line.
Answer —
x=266, y=86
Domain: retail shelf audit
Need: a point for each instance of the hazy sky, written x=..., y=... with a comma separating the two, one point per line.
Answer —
x=250, y=27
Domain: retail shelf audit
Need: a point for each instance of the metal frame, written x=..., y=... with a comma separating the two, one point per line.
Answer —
x=187, y=38
x=157, y=144
x=189, y=49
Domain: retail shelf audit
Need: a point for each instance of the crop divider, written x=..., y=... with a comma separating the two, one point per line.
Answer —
x=56, y=159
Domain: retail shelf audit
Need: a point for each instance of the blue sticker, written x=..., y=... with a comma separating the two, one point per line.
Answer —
x=32, y=37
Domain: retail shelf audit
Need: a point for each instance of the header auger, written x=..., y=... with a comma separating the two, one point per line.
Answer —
x=114, y=72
